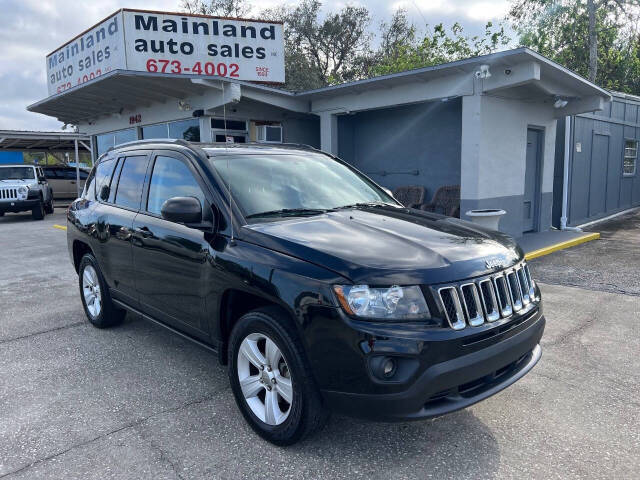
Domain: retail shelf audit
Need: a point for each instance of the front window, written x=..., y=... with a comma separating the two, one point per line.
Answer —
x=297, y=182
x=17, y=173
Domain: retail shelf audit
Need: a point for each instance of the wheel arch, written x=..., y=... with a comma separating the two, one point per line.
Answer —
x=234, y=304
x=80, y=249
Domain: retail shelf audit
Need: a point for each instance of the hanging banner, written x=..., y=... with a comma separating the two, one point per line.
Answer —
x=170, y=43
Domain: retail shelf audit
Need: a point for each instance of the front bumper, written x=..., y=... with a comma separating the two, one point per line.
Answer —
x=16, y=206
x=452, y=384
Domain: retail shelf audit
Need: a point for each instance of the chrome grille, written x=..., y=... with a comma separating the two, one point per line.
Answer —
x=452, y=307
x=472, y=305
x=514, y=290
x=488, y=298
x=8, y=193
x=502, y=292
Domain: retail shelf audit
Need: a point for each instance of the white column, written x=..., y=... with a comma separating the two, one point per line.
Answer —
x=329, y=132
x=75, y=143
x=470, y=151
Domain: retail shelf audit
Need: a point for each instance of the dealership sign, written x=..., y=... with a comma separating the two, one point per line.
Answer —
x=170, y=43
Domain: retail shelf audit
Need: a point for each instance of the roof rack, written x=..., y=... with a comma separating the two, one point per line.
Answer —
x=175, y=141
x=256, y=144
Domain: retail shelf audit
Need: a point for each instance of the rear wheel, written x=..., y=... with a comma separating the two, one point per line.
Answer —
x=271, y=379
x=94, y=292
x=37, y=213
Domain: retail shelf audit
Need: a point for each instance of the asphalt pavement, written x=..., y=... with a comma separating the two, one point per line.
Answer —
x=139, y=402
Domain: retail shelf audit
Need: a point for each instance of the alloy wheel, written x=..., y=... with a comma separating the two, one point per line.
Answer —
x=91, y=291
x=265, y=379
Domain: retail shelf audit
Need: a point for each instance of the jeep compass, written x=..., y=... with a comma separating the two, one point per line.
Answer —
x=318, y=289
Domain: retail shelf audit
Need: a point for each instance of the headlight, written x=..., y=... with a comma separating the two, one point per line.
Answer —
x=23, y=192
x=395, y=303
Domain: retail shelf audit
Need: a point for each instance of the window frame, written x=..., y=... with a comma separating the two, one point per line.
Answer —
x=624, y=156
x=144, y=204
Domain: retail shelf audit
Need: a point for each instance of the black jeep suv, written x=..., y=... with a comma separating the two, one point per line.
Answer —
x=319, y=290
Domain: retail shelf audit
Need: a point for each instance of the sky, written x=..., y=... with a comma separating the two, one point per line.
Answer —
x=33, y=28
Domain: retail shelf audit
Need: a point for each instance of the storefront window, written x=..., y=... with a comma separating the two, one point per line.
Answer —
x=123, y=136
x=104, y=142
x=185, y=129
x=108, y=140
x=155, y=131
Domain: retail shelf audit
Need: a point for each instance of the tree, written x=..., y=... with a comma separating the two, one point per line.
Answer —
x=542, y=23
x=332, y=45
x=436, y=46
x=220, y=8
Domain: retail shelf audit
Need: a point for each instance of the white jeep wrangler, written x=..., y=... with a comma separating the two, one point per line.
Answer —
x=23, y=188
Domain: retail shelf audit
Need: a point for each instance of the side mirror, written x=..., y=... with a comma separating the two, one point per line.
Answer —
x=185, y=210
x=104, y=193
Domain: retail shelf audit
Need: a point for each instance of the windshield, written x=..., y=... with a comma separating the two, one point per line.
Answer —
x=294, y=183
x=16, y=173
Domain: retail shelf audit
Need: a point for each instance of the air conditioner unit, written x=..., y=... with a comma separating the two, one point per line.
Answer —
x=269, y=133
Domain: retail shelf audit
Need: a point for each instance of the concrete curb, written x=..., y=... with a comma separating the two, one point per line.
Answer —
x=562, y=245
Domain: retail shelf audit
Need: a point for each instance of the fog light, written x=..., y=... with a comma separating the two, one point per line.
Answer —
x=389, y=367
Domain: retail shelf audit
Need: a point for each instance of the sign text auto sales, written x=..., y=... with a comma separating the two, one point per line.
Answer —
x=170, y=44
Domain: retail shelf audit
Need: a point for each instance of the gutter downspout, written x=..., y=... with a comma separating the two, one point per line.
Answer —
x=565, y=176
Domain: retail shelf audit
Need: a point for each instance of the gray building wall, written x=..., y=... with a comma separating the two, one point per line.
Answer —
x=302, y=130
x=597, y=187
x=387, y=143
x=494, y=145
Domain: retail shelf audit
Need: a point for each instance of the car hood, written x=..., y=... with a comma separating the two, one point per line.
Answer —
x=388, y=245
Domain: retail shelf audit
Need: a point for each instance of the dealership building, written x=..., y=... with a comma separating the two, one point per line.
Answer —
x=486, y=124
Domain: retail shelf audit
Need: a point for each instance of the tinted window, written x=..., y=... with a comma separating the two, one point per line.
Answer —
x=219, y=123
x=155, y=131
x=16, y=173
x=185, y=129
x=131, y=182
x=51, y=173
x=90, y=188
x=104, y=170
x=171, y=178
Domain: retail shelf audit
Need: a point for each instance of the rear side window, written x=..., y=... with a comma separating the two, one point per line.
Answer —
x=51, y=172
x=131, y=182
x=171, y=178
x=103, y=174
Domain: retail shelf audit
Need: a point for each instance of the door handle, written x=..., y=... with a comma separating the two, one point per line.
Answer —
x=144, y=232
x=73, y=182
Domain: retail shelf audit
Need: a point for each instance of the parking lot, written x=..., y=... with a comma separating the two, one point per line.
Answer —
x=139, y=402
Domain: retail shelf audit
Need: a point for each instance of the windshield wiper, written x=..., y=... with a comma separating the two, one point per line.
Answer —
x=288, y=212
x=365, y=204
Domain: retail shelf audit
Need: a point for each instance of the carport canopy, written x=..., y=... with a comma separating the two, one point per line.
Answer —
x=32, y=141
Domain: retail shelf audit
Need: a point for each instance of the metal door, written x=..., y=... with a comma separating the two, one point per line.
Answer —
x=531, y=181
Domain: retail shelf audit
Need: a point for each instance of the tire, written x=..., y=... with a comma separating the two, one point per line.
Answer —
x=294, y=420
x=94, y=293
x=48, y=208
x=37, y=213
x=1, y=214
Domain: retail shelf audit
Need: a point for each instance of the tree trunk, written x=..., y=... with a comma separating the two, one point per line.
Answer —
x=593, y=41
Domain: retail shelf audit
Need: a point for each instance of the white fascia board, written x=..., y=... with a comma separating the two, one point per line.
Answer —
x=381, y=97
x=283, y=101
x=520, y=74
x=589, y=104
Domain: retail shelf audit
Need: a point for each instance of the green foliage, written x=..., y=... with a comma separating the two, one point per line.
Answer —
x=439, y=46
x=560, y=30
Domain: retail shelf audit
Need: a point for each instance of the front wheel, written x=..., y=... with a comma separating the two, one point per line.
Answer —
x=37, y=213
x=271, y=379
